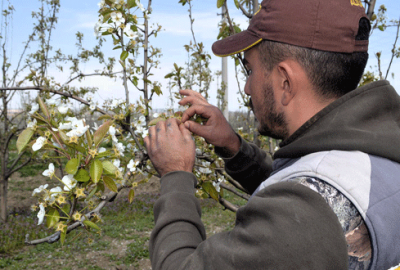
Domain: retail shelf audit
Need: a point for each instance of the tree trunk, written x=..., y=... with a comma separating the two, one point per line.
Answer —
x=3, y=198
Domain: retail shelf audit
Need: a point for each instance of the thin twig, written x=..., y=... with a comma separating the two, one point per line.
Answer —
x=56, y=236
x=228, y=205
x=244, y=196
x=393, y=50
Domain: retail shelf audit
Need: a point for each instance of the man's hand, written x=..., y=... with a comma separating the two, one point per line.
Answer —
x=216, y=130
x=170, y=147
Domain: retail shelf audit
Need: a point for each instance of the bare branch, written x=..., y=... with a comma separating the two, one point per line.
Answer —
x=65, y=94
x=56, y=236
x=228, y=205
x=81, y=75
x=20, y=166
x=393, y=50
x=244, y=196
x=245, y=12
x=370, y=9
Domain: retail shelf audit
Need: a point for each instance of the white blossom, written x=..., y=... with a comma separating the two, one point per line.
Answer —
x=102, y=3
x=120, y=147
x=205, y=167
x=139, y=5
x=39, y=189
x=32, y=124
x=117, y=163
x=41, y=214
x=102, y=149
x=132, y=165
x=130, y=33
x=51, y=195
x=35, y=108
x=63, y=109
x=50, y=171
x=116, y=102
x=155, y=115
x=69, y=182
x=39, y=143
x=117, y=18
x=217, y=187
x=78, y=128
x=55, y=102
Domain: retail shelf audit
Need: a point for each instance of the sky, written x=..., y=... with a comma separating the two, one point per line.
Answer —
x=82, y=15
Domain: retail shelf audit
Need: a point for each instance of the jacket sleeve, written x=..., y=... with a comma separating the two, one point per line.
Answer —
x=284, y=226
x=250, y=166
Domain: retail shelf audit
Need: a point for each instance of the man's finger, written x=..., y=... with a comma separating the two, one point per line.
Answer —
x=192, y=100
x=196, y=128
x=172, y=123
x=196, y=109
x=146, y=141
x=185, y=132
x=188, y=92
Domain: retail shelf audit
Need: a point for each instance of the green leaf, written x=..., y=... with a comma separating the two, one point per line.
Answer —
x=220, y=3
x=72, y=166
x=96, y=170
x=63, y=236
x=131, y=4
x=90, y=224
x=52, y=217
x=109, y=167
x=131, y=195
x=66, y=208
x=24, y=138
x=210, y=189
x=43, y=107
x=101, y=132
x=82, y=176
x=380, y=27
x=89, y=138
x=110, y=184
x=104, y=154
x=124, y=55
x=155, y=121
x=105, y=116
x=63, y=136
x=91, y=194
x=237, y=4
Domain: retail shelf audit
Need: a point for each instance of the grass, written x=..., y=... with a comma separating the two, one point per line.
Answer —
x=123, y=242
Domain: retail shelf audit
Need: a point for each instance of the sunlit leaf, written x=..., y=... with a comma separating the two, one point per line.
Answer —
x=72, y=166
x=210, y=189
x=24, y=138
x=124, y=55
x=90, y=224
x=101, y=132
x=109, y=167
x=52, y=217
x=96, y=170
x=131, y=195
x=43, y=107
x=82, y=175
x=109, y=182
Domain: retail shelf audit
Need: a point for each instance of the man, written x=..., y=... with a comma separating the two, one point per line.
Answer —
x=331, y=198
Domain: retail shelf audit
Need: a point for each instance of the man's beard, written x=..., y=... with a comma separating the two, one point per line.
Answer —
x=271, y=123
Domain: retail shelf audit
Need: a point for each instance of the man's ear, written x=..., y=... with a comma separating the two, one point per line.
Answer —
x=288, y=80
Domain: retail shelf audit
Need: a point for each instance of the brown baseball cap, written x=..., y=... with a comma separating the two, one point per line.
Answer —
x=326, y=25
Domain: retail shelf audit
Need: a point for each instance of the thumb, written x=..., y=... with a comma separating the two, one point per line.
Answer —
x=196, y=128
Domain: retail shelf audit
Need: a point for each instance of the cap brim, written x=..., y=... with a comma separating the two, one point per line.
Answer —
x=235, y=44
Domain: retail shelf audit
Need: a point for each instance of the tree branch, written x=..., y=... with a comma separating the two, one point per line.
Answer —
x=393, y=50
x=56, y=236
x=245, y=12
x=241, y=195
x=228, y=205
